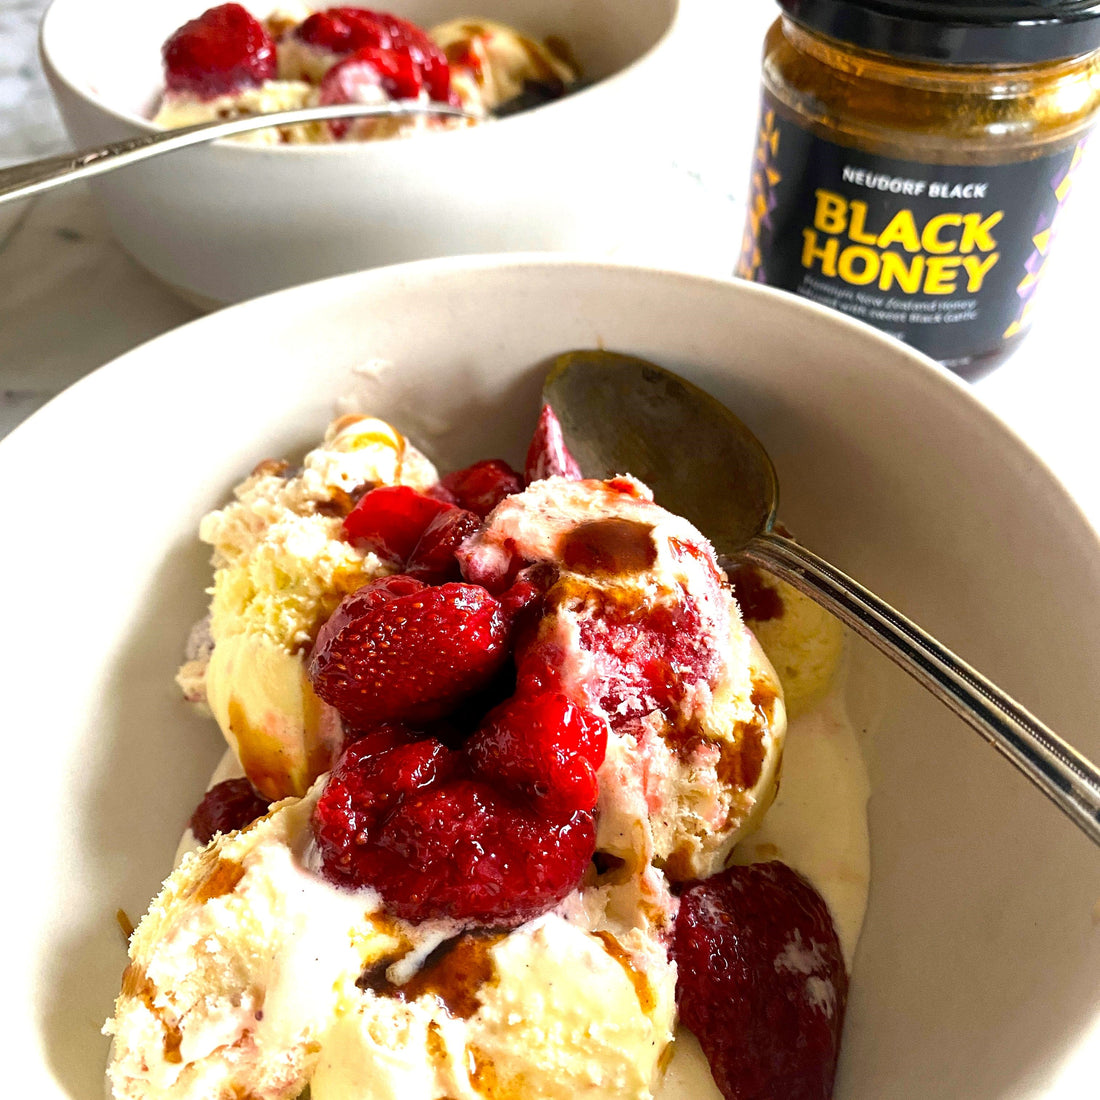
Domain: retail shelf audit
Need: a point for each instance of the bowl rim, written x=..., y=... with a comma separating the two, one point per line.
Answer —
x=930, y=372
x=56, y=75
x=912, y=368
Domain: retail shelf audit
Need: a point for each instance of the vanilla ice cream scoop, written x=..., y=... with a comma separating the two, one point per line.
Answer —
x=281, y=567
x=234, y=972
x=549, y=1011
x=639, y=623
x=252, y=975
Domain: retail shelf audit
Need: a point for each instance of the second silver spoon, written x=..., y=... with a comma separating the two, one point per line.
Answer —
x=20, y=181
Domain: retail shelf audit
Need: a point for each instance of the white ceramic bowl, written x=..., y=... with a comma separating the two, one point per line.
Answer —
x=226, y=222
x=977, y=973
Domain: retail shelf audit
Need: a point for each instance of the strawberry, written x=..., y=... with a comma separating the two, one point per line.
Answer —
x=467, y=851
x=761, y=982
x=434, y=841
x=344, y=31
x=369, y=780
x=224, y=50
x=390, y=520
x=496, y=827
x=548, y=456
x=231, y=804
x=359, y=77
x=482, y=486
x=433, y=558
x=399, y=650
x=543, y=747
x=379, y=737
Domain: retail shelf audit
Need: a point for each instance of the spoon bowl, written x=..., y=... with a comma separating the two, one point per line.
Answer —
x=645, y=414
x=621, y=414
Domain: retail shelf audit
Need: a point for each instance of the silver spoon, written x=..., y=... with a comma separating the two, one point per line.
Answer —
x=20, y=181
x=621, y=414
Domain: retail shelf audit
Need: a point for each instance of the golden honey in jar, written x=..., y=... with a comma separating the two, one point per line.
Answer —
x=912, y=160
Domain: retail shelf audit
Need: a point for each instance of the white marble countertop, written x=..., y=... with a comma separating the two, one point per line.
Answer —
x=71, y=299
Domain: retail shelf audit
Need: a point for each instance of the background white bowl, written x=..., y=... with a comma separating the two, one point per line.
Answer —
x=225, y=222
x=977, y=973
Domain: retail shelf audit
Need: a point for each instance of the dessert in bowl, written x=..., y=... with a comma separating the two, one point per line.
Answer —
x=228, y=221
x=510, y=752
x=226, y=63
x=968, y=945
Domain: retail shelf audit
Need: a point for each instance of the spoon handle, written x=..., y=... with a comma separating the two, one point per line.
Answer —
x=1057, y=769
x=20, y=181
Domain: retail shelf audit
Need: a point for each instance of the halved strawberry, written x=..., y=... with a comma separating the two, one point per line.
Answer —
x=544, y=747
x=370, y=75
x=231, y=804
x=435, y=842
x=482, y=486
x=224, y=50
x=548, y=455
x=433, y=558
x=390, y=521
x=346, y=30
x=761, y=982
x=399, y=650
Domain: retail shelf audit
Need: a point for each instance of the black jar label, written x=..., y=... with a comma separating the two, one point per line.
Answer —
x=944, y=257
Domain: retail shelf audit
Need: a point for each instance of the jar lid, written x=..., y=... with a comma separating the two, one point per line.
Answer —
x=958, y=31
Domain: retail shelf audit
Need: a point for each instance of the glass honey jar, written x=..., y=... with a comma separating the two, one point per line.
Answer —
x=913, y=157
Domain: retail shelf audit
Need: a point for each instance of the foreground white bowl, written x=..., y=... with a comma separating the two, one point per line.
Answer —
x=977, y=973
x=225, y=222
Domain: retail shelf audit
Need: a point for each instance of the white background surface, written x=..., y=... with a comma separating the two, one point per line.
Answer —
x=70, y=299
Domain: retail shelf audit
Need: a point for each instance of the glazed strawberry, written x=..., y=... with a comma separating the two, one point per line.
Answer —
x=397, y=649
x=761, y=982
x=229, y=805
x=390, y=520
x=379, y=737
x=223, y=50
x=548, y=456
x=468, y=852
x=433, y=559
x=344, y=30
x=522, y=596
x=436, y=842
x=543, y=747
x=359, y=77
x=482, y=486
x=368, y=782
